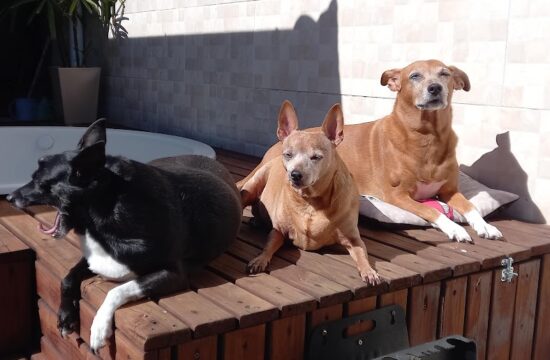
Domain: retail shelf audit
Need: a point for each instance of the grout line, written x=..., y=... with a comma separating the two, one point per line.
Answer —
x=505, y=52
x=329, y=93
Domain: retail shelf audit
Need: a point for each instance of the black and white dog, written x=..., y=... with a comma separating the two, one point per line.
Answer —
x=146, y=225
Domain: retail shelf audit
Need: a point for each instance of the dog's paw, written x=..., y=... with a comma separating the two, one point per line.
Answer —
x=67, y=321
x=459, y=234
x=258, y=264
x=452, y=229
x=487, y=231
x=370, y=276
x=102, y=329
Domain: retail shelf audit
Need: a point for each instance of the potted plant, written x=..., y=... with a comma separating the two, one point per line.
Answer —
x=75, y=83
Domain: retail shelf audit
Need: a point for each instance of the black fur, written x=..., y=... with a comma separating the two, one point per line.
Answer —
x=161, y=219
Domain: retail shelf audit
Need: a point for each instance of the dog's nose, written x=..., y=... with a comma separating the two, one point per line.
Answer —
x=435, y=89
x=295, y=175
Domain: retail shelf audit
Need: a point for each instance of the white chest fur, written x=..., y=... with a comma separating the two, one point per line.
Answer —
x=101, y=263
x=427, y=190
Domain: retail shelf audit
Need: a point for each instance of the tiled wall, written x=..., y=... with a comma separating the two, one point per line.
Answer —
x=217, y=70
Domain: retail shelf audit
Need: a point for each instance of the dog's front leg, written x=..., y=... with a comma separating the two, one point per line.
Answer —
x=450, y=228
x=152, y=285
x=275, y=240
x=358, y=252
x=253, y=188
x=457, y=201
x=68, y=315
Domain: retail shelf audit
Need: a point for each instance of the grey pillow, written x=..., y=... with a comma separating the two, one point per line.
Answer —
x=485, y=200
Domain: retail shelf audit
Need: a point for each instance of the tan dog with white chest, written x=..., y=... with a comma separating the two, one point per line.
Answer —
x=409, y=155
x=307, y=193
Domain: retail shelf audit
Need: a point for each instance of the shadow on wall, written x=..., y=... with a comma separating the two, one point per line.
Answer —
x=225, y=89
x=499, y=169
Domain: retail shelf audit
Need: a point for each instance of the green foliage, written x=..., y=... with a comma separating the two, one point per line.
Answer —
x=57, y=13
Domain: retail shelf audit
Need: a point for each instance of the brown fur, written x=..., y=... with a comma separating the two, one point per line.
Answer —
x=414, y=145
x=323, y=208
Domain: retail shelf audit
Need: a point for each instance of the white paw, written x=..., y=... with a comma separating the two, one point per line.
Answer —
x=452, y=230
x=458, y=233
x=481, y=227
x=487, y=231
x=102, y=329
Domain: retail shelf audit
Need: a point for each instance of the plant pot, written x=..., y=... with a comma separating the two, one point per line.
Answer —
x=76, y=92
x=24, y=109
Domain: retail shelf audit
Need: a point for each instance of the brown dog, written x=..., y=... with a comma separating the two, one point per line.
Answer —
x=307, y=193
x=409, y=155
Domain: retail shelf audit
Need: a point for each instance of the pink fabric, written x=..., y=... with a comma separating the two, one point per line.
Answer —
x=439, y=206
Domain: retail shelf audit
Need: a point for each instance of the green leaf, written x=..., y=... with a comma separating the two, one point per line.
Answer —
x=21, y=2
x=72, y=7
x=51, y=22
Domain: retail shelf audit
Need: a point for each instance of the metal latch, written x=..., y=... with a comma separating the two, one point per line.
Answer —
x=508, y=272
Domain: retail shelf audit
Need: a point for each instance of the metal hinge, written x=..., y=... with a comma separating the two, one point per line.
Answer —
x=508, y=272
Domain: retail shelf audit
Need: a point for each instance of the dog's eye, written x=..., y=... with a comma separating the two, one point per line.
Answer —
x=444, y=74
x=316, y=157
x=415, y=76
x=287, y=155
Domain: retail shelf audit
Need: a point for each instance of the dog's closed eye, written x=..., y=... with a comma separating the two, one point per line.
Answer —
x=316, y=157
x=288, y=155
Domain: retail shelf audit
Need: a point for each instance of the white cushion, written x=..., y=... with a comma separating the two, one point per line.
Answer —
x=485, y=200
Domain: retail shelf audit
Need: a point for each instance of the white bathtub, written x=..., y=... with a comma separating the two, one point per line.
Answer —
x=22, y=146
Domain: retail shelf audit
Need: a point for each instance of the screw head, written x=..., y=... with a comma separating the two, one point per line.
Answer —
x=196, y=355
x=360, y=342
x=324, y=332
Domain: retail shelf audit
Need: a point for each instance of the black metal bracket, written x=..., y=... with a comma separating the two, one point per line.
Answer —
x=330, y=340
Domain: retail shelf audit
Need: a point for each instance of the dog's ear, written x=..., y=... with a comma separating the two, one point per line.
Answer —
x=95, y=133
x=333, y=125
x=288, y=120
x=460, y=79
x=88, y=161
x=391, y=78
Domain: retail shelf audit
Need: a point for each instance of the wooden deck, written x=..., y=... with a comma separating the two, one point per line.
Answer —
x=445, y=287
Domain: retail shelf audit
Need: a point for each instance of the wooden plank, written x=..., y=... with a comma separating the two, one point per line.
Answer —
x=165, y=353
x=87, y=314
x=289, y=300
x=429, y=269
x=127, y=350
x=478, y=305
x=287, y=338
x=245, y=344
x=398, y=297
x=525, y=307
x=358, y=307
x=317, y=263
x=247, y=308
x=49, y=350
x=541, y=347
x=9, y=243
x=502, y=316
x=48, y=286
x=322, y=315
x=325, y=291
x=202, y=315
x=145, y=323
x=452, y=307
x=17, y=305
x=488, y=252
x=204, y=349
x=68, y=348
x=519, y=234
x=397, y=277
x=422, y=313
x=459, y=263
x=60, y=256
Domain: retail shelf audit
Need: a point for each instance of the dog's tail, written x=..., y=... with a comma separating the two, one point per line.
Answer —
x=271, y=153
